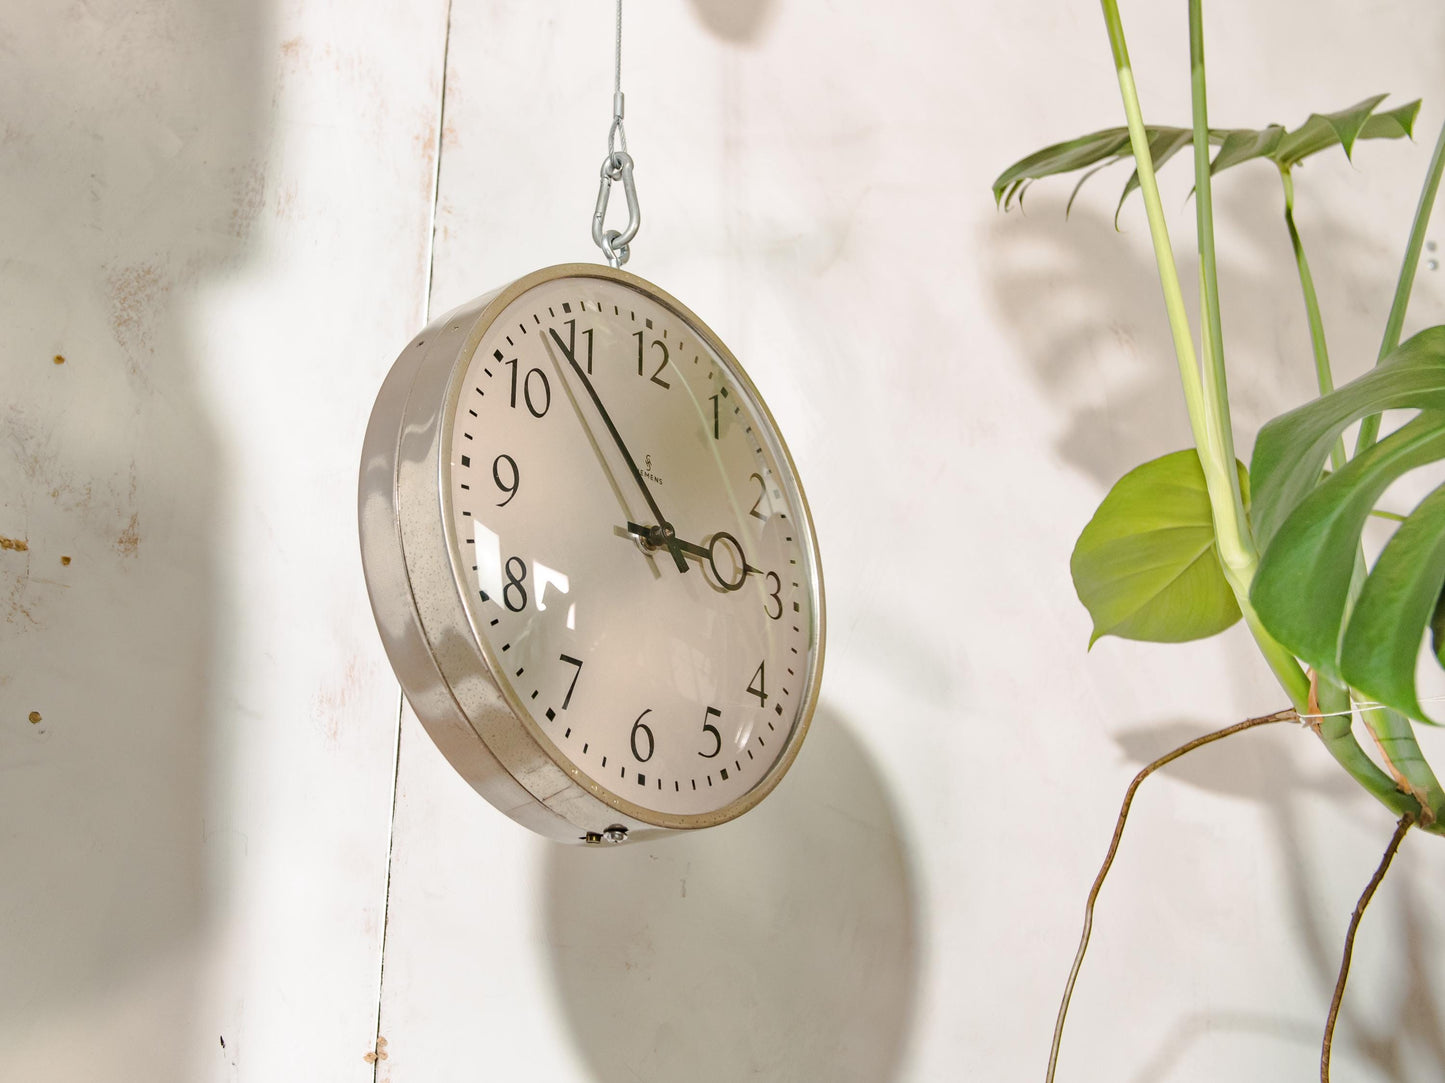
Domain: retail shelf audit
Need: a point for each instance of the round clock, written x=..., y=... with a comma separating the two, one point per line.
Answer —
x=590, y=558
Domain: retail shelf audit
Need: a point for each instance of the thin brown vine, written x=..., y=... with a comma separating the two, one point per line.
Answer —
x=1406, y=822
x=1287, y=715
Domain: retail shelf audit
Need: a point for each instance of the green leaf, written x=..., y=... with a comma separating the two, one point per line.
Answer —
x=1112, y=143
x=1246, y=144
x=1145, y=566
x=1302, y=588
x=1437, y=629
x=1398, y=600
x=1319, y=132
x=1291, y=451
x=1324, y=130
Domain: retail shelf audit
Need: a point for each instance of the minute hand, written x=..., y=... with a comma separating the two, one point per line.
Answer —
x=668, y=539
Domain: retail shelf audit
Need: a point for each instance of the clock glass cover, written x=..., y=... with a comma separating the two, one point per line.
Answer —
x=634, y=548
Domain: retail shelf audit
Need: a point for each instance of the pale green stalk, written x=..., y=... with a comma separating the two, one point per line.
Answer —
x=1207, y=403
x=1208, y=424
x=1234, y=533
x=1395, y=324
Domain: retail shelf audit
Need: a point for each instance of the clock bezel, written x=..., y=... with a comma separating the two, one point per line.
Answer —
x=459, y=690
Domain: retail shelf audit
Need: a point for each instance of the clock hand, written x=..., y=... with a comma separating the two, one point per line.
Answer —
x=586, y=428
x=666, y=528
x=657, y=536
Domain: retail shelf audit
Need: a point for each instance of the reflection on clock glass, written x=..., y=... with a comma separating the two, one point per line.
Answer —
x=635, y=551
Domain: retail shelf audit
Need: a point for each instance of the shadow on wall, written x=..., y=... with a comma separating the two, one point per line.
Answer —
x=1263, y=767
x=741, y=22
x=784, y=945
x=1084, y=305
x=129, y=140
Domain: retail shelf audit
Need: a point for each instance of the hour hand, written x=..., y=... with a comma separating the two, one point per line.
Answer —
x=655, y=537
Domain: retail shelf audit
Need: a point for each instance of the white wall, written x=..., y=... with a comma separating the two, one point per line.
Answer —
x=221, y=216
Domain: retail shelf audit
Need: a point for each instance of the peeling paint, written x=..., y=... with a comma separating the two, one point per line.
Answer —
x=379, y=1053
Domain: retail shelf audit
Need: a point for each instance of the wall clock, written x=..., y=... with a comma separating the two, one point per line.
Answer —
x=590, y=558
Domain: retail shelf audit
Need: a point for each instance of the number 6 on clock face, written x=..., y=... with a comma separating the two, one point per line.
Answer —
x=591, y=558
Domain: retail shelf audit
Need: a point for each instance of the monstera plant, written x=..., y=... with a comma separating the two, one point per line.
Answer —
x=1188, y=544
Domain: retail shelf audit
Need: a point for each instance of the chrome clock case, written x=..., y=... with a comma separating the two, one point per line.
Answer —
x=414, y=575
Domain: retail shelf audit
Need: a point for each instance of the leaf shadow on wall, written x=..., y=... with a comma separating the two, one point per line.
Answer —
x=130, y=138
x=784, y=945
x=1265, y=768
x=1085, y=307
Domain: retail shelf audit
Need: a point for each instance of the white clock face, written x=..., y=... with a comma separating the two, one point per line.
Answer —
x=633, y=547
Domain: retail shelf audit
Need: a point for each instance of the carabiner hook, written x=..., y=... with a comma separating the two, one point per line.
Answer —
x=616, y=166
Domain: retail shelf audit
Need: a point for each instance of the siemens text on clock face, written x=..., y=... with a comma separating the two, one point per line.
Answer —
x=638, y=562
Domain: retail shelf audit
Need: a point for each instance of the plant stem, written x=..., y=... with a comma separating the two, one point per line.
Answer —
x=1168, y=757
x=1394, y=325
x=1236, y=546
x=1395, y=840
x=1158, y=229
x=1335, y=726
x=1235, y=541
x=1324, y=377
x=1393, y=735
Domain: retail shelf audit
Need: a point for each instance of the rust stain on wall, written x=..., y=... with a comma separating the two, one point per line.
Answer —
x=129, y=540
x=18, y=545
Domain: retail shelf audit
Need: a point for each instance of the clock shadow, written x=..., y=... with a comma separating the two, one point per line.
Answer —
x=783, y=945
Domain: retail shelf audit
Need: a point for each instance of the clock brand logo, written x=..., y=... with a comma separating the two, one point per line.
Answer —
x=647, y=470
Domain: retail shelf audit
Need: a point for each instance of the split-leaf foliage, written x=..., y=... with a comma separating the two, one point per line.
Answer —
x=1148, y=566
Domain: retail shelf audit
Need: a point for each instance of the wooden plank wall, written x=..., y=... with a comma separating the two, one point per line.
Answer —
x=228, y=856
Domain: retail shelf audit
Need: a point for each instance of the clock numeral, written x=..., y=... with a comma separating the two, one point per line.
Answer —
x=656, y=377
x=776, y=595
x=571, y=662
x=528, y=396
x=508, y=487
x=762, y=492
x=571, y=348
x=708, y=727
x=514, y=582
x=715, y=420
x=758, y=685
x=641, y=727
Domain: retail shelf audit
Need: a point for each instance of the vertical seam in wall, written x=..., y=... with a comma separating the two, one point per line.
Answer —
x=436, y=190
x=386, y=892
x=401, y=698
